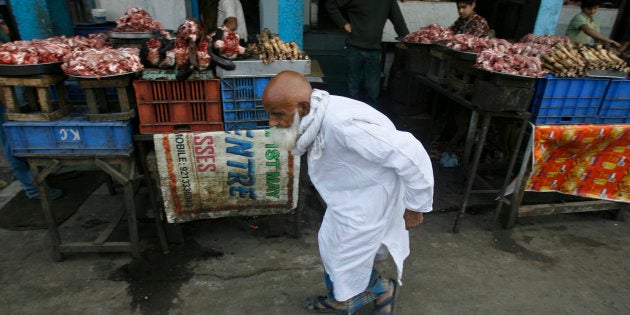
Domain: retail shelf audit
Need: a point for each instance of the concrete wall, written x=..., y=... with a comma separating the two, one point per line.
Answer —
x=548, y=15
x=422, y=13
x=171, y=13
x=291, y=21
x=41, y=18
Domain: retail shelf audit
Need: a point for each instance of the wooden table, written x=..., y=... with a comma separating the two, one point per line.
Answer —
x=121, y=168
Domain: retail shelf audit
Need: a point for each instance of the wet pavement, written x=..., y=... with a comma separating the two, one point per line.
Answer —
x=564, y=264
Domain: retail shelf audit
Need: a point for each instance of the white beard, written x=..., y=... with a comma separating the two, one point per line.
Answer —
x=286, y=138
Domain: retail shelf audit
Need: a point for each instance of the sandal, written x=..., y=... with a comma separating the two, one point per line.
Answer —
x=319, y=304
x=390, y=300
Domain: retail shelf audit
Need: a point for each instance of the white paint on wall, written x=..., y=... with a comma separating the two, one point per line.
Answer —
x=419, y=14
x=171, y=13
x=606, y=18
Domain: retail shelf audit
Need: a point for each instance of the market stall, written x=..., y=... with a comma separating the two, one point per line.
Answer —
x=542, y=81
x=191, y=100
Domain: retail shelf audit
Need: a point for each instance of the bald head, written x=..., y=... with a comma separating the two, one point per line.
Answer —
x=287, y=92
x=287, y=87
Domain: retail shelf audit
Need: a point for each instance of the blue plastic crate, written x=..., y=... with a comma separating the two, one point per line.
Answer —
x=554, y=87
x=71, y=134
x=615, y=108
x=242, y=103
x=614, y=120
x=618, y=89
x=565, y=110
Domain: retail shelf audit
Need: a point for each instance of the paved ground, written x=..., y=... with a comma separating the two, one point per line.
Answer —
x=568, y=264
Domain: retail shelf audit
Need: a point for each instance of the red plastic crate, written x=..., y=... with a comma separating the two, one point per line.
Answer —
x=178, y=106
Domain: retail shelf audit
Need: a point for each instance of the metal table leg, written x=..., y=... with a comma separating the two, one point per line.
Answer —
x=470, y=137
x=485, y=125
x=157, y=212
x=519, y=190
x=508, y=176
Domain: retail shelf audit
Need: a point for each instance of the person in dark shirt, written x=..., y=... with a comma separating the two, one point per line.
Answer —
x=469, y=22
x=364, y=26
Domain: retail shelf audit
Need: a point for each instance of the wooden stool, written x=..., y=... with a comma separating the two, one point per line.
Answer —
x=37, y=93
x=99, y=108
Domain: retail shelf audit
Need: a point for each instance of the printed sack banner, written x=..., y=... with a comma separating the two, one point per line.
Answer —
x=216, y=174
x=583, y=160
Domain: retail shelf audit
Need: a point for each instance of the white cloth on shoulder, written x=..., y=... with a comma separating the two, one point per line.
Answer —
x=310, y=125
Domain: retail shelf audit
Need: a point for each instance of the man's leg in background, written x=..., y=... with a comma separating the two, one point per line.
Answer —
x=354, y=73
x=372, y=70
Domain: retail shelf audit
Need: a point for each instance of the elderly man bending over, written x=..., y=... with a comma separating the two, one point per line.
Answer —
x=376, y=182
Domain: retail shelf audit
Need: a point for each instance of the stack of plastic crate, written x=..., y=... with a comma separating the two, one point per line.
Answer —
x=242, y=103
x=568, y=100
x=615, y=108
x=167, y=106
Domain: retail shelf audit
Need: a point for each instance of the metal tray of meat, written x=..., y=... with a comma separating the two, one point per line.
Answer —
x=107, y=76
x=30, y=69
x=464, y=55
x=416, y=44
x=501, y=78
x=130, y=35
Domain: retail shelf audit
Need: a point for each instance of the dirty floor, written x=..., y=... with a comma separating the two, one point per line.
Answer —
x=565, y=264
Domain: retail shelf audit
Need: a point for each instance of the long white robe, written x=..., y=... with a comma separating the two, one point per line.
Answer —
x=228, y=8
x=368, y=173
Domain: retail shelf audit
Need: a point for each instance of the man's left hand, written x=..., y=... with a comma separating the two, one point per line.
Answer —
x=412, y=219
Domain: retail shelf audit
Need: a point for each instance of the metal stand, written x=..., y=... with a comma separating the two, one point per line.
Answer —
x=141, y=141
x=487, y=116
x=122, y=170
x=473, y=166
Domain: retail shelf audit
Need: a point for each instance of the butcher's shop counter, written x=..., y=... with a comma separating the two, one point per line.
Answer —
x=254, y=67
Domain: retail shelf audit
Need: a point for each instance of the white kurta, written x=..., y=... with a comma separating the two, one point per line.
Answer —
x=367, y=174
x=228, y=8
